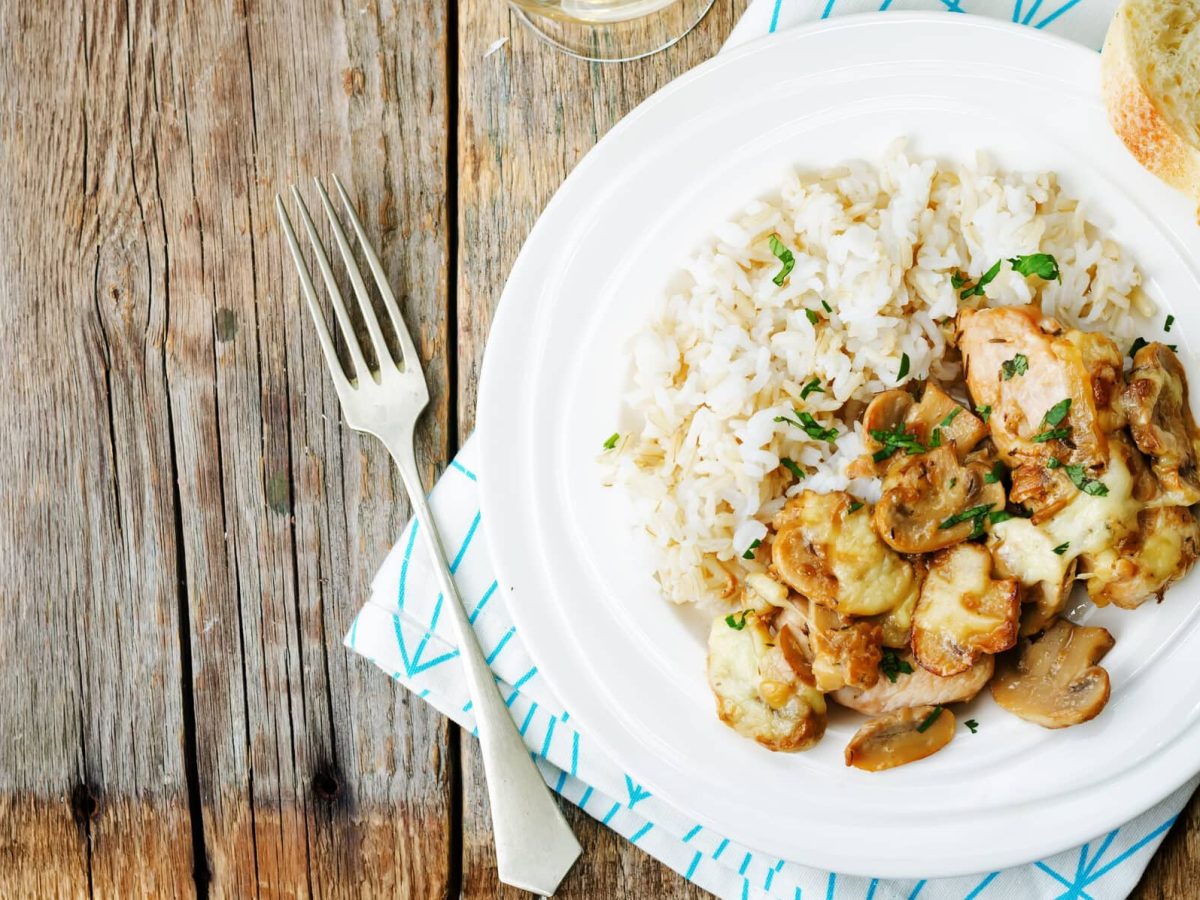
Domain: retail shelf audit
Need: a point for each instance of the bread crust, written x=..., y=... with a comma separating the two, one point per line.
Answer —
x=1136, y=116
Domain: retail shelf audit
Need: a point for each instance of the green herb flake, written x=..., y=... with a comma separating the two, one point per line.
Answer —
x=1062, y=548
x=972, y=724
x=1056, y=413
x=929, y=720
x=985, y=413
x=784, y=255
x=828, y=308
x=975, y=512
x=813, y=387
x=1138, y=344
x=814, y=430
x=987, y=278
x=1053, y=463
x=1054, y=434
x=903, y=367
x=793, y=468
x=737, y=621
x=1018, y=365
x=855, y=507
x=958, y=279
x=997, y=473
x=945, y=423
x=953, y=482
x=1090, y=486
x=1043, y=265
x=754, y=545
x=1167, y=324
x=612, y=440
x=935, y=439
x=1174, y=348
x=899, y=439
x=813, y=318
x=998, y=516
x=891, y=665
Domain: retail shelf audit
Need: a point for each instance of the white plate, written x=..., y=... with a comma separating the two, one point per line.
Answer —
x=628, y=665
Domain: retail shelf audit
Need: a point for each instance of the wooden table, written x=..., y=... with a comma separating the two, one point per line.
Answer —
x=186, y=529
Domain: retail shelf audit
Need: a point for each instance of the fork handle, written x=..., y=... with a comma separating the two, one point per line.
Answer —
x=534, y=844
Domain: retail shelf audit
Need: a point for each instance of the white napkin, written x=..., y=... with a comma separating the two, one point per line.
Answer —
x=402, y=630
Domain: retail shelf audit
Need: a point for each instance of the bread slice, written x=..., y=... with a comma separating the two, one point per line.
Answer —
x=1151, y=86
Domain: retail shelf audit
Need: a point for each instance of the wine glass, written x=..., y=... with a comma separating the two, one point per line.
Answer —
x=610, y=30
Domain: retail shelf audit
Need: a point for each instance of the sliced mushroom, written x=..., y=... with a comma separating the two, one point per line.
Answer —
x=919, y=687
x=759, y=693
x=1145, y=561
x=924, y=495
x=940, y=419
x=1054, y=680
x=963, y=612
x=1160, y=419
x=900, y=737
x=885, y=412
x=833, y=556
x=1039, y=488
x=1045, y=600
x=844, y=652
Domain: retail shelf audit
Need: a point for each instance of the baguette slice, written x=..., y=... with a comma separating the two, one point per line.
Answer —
x=1151, y=84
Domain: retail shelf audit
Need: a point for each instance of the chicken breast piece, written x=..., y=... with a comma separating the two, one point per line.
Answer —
x=963, y=612
x=825, y=548
x=920, y=687
x=1161, y=422
x=1147, y=560
x=844, y=651
x=760, y=693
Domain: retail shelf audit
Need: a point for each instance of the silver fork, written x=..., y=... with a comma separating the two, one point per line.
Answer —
x=534, y=845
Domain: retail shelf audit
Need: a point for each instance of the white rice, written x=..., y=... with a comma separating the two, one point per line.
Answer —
x=729, y=350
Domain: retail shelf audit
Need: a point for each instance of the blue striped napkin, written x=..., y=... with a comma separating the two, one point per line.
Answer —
x=402, y=630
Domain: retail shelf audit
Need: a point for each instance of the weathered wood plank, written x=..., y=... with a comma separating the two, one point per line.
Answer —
x=316, y=775
x=526, y=116
x=92, y=771
x=1171, y=874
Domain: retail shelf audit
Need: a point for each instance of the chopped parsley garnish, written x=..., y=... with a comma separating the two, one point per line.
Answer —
x=1053, y=463
x=1018, y=365
x=1062, y=548
x=1167, y=324
x=813, y=387
x=945, y=423
x=784, y=255
x=1042, y=265
x=976, y=290
x=903, y=367
x=929, y=720
x=1174, y=348
x=998, y=516
x=972, y=724
x=974, y=513
x=793, y=468
x=813, y=318
x=985, y=413
x=737, y=621
x=898, y=439
x=1088, y=485
x=828, y=308
x=1138, y=344
x=998, y=470
x=958, y=279
x=811, y=427
x=1056, y=413
x=1054, y=434
x=953, y=482
x=935, y=439
x=891, y=665
x=612, y=440
x=855, y=507
x=754, y=545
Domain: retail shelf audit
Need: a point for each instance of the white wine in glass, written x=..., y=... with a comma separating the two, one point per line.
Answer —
x=611, y=30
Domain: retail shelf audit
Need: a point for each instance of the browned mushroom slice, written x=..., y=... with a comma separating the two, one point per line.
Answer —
x=833, y=556
x=918, y=687
x=939, y=419
x=1160, y=419
x=963, y=612
x=1045, y=600
x=1145, y=561
x=759, y=691
x=900, y=737
x=845, y=652
x=1054, y=680
x=1039, y=488
x=887, y=411
x=931, y=501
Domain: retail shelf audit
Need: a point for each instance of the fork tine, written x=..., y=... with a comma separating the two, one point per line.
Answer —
x=339, y=307
x=310, y=294
x=411, y=360
x=364, y=299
